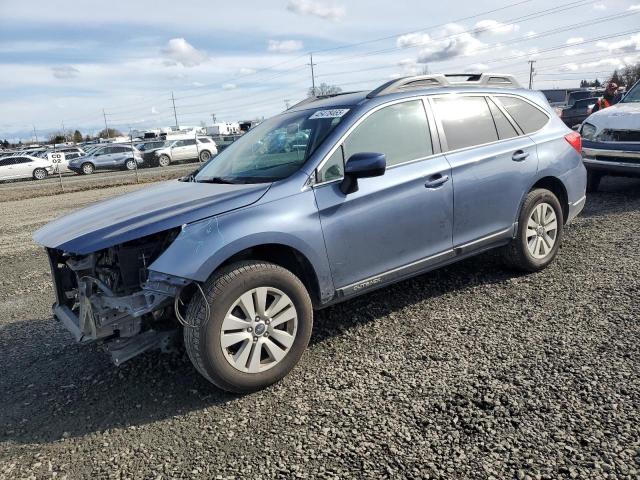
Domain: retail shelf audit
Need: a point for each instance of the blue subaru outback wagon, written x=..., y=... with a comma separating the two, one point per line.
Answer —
x=332, y=198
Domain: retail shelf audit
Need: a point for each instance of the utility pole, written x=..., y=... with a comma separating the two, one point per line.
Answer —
x=286, y=104
x=106, y=127
x=175, y=115
x=34, y=133
x=213, y=118
x=313, y=78
x=531, y=72
x=63, y=134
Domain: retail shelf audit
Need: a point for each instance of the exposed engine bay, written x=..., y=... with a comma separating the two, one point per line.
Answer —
x=111, y=297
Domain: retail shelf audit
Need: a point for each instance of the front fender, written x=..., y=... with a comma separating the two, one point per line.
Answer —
x=293, y=221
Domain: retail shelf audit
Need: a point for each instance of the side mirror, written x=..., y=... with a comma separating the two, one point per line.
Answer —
x=362, y=165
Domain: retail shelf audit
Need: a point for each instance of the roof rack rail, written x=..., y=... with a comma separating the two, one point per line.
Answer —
x=446, y=80
x=313, y=98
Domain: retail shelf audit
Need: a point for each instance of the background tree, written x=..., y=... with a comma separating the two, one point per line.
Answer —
x=5, y=143
x=57, y=137
x=112, y=133
x=323, y=89
x=77, y=136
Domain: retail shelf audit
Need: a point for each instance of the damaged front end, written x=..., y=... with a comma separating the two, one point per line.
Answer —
x=111, y=297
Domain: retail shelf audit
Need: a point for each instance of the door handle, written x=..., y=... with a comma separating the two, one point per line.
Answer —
x=519, y=155
x=436, y=180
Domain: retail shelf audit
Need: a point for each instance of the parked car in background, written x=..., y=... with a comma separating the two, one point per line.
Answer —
x=611, y=140
x=153, y=145
x=574, y=115
x=24, y=166
x=180, y=150
x=333, y=198
x=107, y=157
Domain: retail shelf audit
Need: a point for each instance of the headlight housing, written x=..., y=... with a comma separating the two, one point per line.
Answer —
x=588, y=131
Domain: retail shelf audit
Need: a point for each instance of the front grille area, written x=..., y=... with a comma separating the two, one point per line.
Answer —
x=620, y=135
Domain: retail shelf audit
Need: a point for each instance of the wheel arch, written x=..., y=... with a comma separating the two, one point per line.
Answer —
x=557, y=187
x=285, y=256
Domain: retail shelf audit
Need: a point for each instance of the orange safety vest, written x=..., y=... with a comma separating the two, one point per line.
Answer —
x=603, y=103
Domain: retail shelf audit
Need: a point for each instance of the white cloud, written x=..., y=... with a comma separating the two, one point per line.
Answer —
x=530, y=34
x=634, y=8
x=197, y=84
x=573, y=51
x=64, y=72
x=454, y=42
x=631, y=44
x=494, y=27
x=179, y=51
x=154, y=111
x=599, y=6
x=477, y=67
x=569, y=67
x=246, y=71
x=574, y=40
x=284, y=46
x=317, y=9
x=229, y=86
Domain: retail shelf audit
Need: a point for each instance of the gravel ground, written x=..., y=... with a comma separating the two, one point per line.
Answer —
x=471, y=371
x=71, y=182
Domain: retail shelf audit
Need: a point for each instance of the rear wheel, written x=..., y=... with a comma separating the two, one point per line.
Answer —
x=593, y=181
x=39, y=174
x=164, y=161
x=539, y=232
x=130, y=164
x=259, y=324
x=205, y=156
x=88, y=168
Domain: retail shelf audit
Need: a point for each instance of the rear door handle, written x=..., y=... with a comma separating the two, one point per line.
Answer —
x=436, y=180
x=519, y=155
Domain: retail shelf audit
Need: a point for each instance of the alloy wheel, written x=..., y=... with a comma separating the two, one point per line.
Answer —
x=542, y=230
x=259, y=329
x=87, y=168
x=131, y=164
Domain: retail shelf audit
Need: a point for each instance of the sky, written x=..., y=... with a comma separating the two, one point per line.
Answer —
x=67, y=62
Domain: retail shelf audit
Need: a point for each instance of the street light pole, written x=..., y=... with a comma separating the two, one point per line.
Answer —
x=531, y=72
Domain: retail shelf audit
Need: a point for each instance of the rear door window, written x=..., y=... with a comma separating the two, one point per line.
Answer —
x=503, y=126
x=466, y=121
x=529, y=118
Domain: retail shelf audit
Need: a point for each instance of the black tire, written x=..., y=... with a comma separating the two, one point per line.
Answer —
x=40, y=174
x=202, y=336
x=87, y=168
x=164, y=161
x=517, y=254
x=593, y=181
x=130, y=164
x=205, y=155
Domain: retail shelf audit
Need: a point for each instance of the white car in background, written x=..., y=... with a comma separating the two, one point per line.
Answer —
x=180, y=150
x=24, y=166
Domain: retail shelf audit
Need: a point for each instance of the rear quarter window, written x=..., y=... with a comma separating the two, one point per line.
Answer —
x=529, y=118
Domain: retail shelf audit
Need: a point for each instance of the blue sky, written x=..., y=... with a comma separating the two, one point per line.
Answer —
x=66, y=61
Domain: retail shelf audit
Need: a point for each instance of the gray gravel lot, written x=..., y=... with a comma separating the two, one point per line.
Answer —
x=471, y=371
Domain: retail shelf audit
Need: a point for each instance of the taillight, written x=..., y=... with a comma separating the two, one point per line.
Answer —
x=575, y=140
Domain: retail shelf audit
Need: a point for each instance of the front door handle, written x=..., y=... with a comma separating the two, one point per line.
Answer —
x=519, y=155
x=436, y=180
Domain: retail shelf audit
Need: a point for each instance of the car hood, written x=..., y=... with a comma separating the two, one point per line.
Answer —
x=144, y=212
x=622, y=116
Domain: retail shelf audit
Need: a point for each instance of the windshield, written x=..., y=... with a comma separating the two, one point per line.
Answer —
x=634, y=94
x=273, y=150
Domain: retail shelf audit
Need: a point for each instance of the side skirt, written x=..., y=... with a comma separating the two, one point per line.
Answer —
x=422, y=266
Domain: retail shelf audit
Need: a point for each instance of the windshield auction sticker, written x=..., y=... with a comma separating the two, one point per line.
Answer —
x=334, y=113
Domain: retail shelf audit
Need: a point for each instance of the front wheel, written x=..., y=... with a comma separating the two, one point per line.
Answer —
x=593, y=181
x=259, y=325
x=539, y=232
x=130, y=164
x=205, y=156
x=88, y=168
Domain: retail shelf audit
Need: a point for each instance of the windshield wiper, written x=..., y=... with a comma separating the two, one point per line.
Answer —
x=215, y=180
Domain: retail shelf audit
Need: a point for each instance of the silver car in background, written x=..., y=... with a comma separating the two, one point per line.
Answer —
x=611, y=140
